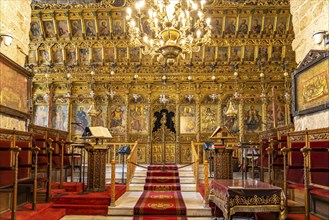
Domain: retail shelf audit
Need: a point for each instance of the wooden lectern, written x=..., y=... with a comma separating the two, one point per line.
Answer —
x=97, y=152
x=223, y=154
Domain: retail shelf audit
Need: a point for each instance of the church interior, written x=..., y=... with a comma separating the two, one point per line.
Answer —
x=160, y=109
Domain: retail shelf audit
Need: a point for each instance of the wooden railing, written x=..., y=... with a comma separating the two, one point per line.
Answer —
x=195, y=165
x=131, y=164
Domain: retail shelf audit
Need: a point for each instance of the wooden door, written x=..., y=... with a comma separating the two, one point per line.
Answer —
x=163, y=143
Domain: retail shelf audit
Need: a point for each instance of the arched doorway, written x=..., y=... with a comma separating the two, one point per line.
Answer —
x=163, y=149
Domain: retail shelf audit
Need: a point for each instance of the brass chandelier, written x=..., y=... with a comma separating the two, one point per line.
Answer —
x=171, y=28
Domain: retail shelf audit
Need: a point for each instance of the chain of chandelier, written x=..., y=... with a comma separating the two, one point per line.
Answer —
x=168, y=29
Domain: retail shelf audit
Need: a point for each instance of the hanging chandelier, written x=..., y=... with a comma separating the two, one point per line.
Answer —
x=169, y=29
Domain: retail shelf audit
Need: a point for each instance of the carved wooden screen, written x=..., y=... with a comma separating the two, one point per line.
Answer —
x=164, y=141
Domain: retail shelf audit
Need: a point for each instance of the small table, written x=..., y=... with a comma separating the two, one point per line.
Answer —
x=233, y=196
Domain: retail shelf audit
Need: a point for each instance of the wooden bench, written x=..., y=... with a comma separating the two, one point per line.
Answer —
x=16, y=167
x=316, y=171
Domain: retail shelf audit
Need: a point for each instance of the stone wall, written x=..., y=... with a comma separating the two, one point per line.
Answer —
x=15, y=18
x=309, y=16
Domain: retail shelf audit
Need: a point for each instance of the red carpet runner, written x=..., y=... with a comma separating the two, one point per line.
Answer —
x=161, y=199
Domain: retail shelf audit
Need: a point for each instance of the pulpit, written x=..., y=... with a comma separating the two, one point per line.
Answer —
x=223, y=163
x=97, y=152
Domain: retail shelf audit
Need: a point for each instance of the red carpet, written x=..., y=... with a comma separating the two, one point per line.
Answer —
x=162, y=187
x=91, y=203
x=161, y=199
x=160, y=202
x=162, y=179
x=44, y=211
x=162, y=167
x=162, y=173
x=160, y=218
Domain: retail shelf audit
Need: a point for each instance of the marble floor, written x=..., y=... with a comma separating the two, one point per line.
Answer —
x=124, y=206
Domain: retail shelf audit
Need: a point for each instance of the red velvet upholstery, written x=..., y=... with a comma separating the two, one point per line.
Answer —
x=295, y=175
x=320, y=192
x=6, y=176
x=320, y=177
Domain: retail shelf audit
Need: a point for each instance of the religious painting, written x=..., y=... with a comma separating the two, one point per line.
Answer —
x=80, y=117
x=231, y=122
x=117, y=28
x=187, y=119
x=235, y=54
x=262, y=54
x=134, y=54
x=62, y=29
x=57, y=54
x=122, y=54
x=141, y=153
x=208, y=118
x=60, y=117
x=139, y=115
x=35, y=31
x=268, y=25
x=44, y=57
x=249, y=53
x=100, y=120
x=71, y=57
x=281, y=25
x=256, y=25
x=97, y=56
x=243, y=25
x=253, y=118
x=230, y=25
x=8, y=122
x=210, y=54
x=13, y=88
x=103, y=28
x=90, y=28
x=311, y=84
x=222, y=54
x=216, y=26
x=76, y=29
x=32, y=57
x=147, y=59
x=109, y=54
x=49, y=29
x=41, y=113
x=280, y=115
x=146, y=27
x=118, y=119
x=84, y=57
x=197, y=56
x=276, y=53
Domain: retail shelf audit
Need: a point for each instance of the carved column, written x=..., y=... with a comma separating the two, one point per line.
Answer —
x=177, y=121
x=220, y=110
x=264, y=118
x=197, y=117
x=126, y=98
x=241, y=120
x=149, y=136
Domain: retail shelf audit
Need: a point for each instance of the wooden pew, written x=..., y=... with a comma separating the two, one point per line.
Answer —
x=316, y=172
x=16, y=167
